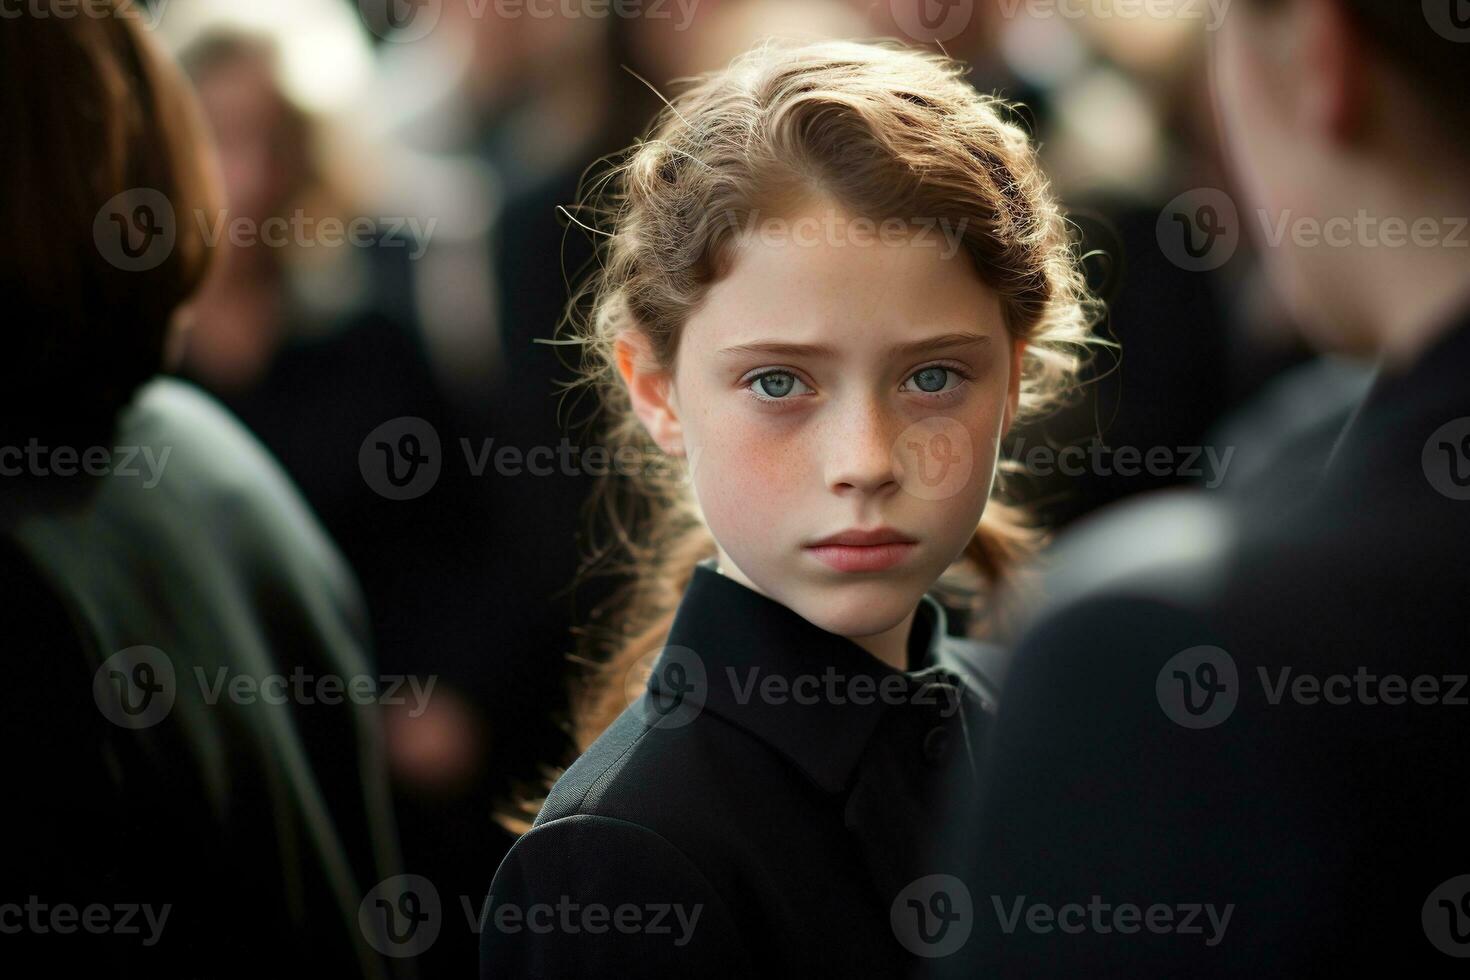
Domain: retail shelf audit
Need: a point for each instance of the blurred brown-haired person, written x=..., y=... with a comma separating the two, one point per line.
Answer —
x=191, y=791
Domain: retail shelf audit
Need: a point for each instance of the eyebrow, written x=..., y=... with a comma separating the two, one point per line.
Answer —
x=947, y=341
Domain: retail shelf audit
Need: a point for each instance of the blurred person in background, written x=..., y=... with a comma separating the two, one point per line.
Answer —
x=155, y=562
x=326, y=352
x=264, y=147
x=1246, y=712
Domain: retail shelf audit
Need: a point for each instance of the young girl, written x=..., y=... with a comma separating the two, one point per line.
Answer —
x=834, y=277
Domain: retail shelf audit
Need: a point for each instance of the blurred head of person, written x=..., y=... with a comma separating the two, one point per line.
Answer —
x=1347, y=123
x=522, y=48
x=684, y=40
x=106, y=164
x=261, y=137
x=266, y=165
x=786, y=375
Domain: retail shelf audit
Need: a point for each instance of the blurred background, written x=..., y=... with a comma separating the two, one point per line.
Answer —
x=453, y=135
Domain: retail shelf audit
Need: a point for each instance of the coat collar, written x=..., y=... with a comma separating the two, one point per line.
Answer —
x=814, y=696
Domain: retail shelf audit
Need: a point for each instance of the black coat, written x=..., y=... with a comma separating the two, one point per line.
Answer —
x=1328, y=813
x=741, y=833
x=253, y=824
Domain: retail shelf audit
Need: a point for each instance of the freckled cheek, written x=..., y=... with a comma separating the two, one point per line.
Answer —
x=749, y=478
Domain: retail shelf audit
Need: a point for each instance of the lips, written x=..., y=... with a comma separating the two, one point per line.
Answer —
x=863, y=550
x=864, y=538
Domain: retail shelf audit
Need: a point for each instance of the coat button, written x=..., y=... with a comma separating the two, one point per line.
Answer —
x=936, y=745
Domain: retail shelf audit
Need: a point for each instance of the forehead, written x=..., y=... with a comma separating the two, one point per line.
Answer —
x=823, y=276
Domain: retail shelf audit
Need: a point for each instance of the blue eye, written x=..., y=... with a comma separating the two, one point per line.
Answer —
x=776, y=386
x=931, y=379
x=935, y=379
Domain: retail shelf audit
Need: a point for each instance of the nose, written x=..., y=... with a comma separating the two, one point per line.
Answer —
x=859, y=450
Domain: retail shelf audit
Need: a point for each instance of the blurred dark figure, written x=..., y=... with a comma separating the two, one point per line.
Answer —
x=1230, y=746
x=189, y=790
x=321, y=387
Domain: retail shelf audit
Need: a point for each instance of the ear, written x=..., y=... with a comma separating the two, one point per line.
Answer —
x=1013, y=386
x=651, y=390
x=1333, y=69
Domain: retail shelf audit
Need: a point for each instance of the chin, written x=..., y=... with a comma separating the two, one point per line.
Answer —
x=858, y=608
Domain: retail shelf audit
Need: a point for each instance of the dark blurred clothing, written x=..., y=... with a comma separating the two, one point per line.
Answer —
x=467, y=581
x=260, y=820
x=1296, y=418
x=1163, y=391
x=474, y=582
x=1278, y=778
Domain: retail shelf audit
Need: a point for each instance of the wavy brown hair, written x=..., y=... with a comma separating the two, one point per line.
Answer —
x=885, y=131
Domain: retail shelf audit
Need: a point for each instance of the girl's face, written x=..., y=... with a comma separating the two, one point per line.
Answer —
x=833, y=384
